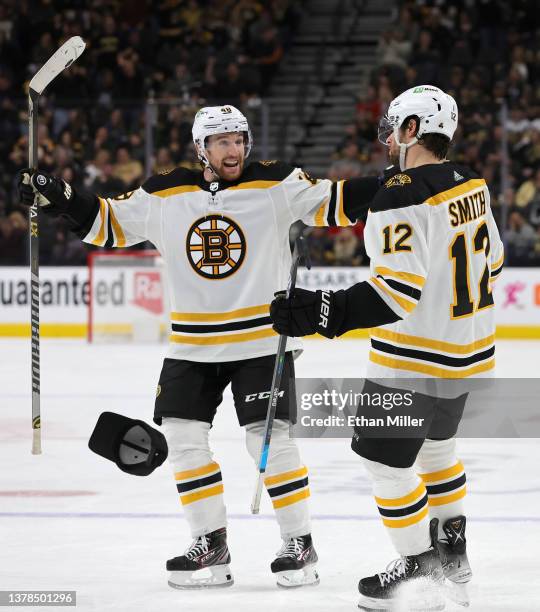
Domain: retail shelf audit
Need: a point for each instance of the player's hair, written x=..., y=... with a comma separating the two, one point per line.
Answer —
x=438, y=144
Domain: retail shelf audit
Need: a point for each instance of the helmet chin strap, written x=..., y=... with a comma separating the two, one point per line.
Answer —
x=207, y=164
x=403, y=148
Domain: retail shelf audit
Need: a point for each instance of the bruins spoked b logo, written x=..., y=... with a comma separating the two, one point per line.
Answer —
x=215, y=246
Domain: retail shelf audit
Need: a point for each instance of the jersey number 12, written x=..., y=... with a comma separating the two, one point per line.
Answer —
x=464, y=305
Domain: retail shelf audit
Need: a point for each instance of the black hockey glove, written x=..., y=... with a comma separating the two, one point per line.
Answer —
x=52, y=194
x=305, y=313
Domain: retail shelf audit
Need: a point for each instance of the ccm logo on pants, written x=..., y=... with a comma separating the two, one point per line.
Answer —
x=262, y=395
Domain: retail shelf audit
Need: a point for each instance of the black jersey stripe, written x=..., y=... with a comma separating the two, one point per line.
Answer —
x=446, y=487
x=454, y=362
x=402, y=288
x=497, y=271
x=331, y=216
x=110, y=235
x=221, y=327
x=198, y=483
x=398, y=512
x=287, y=488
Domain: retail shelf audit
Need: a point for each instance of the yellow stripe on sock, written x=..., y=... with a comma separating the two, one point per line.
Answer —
x=201, y=471
x=291, y=499
x=198, y=495
x=284, y=476
x=447, y=499
x=402, y=501
x=406, y=522
x=443, y=474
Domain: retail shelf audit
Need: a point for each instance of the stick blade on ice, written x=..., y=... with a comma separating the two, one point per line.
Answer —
x=60, y=60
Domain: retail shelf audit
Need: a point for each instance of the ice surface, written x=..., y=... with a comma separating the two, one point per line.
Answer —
x=71, y=520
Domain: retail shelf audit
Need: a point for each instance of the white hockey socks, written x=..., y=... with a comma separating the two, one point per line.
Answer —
x=444, y=477
x=286, y=477
x=197, y=475
x=402, y=501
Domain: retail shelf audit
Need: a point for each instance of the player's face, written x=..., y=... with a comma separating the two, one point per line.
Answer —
x=226, y=154
x=405, y=136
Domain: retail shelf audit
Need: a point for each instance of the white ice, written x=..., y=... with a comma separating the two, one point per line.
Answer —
x=71, y=520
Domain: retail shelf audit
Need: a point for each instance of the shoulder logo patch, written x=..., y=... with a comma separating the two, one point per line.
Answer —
x=268, y=162
x=457, y=176
x=166, y=171
x=398, y=180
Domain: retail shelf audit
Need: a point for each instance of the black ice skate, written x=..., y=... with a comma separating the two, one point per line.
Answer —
x=414, y=581
x=453, y=553
x=294, y=565
x=204, y=564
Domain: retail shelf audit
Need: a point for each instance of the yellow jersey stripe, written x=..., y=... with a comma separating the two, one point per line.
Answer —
x=201, y=471
x=443, y=474
x=283, y=477
x=405, y=304
x=343, y=220
x=428, y=369
x=406, y=522
x=117, y=230
x=439, y=345
x=498, y=263
x=291, y=499
x=448, y=499
x=179, y=190
x=200, y=340
x=458, y=190
x=207, y=317
x=319, y=215
x=416, y=279
x=99, y=240
x=198, y=495
x=255, y=185
x=402, y=501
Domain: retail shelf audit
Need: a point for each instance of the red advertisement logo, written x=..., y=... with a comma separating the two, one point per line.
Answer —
x=537, y=295
x=147, y=291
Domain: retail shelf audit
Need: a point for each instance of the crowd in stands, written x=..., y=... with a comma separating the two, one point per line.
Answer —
x=485, y=53
x=91, y=132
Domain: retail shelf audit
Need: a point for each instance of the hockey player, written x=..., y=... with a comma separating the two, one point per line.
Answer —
x=435, y=252
x=223, y=233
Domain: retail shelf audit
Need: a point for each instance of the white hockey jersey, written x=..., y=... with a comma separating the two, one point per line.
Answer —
x=435, y=251
x=225, y=248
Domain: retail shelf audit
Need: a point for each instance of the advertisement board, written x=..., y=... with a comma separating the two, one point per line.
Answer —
x=65, y=297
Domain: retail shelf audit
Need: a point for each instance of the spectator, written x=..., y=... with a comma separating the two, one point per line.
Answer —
x=105, y=183
x=128, y=170
x=347, y=249
x=521, y=239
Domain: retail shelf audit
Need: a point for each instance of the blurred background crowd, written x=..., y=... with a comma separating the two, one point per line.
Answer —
x=92, y=125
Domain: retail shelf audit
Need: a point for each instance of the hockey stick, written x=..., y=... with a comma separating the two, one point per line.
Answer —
x=58, y=62
x=300, y=252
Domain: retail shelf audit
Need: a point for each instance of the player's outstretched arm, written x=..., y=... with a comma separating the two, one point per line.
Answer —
x=330, y=313
x=109, y=222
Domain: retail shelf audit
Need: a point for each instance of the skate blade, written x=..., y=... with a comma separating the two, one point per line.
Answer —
x=214, y=577
x=419, y=595
x=369, y=604
x=293, y=579
x=457, y=593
